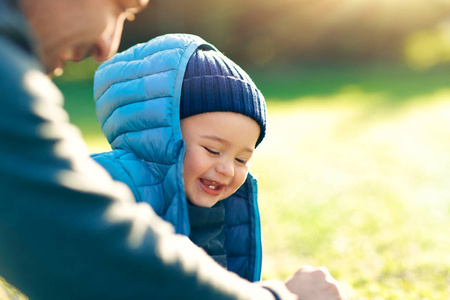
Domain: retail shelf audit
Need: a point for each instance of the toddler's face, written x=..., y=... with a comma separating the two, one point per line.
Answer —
x=219, y=146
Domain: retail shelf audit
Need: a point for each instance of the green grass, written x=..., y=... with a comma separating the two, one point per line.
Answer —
x=353, y=175
x=361, y=189
x=81, y=107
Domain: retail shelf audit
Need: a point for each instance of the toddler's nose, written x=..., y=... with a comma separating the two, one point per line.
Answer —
x=225, y=167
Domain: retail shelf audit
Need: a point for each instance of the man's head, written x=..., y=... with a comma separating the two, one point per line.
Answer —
x=70, y=30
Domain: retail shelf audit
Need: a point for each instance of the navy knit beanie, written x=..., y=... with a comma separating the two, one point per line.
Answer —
x=212, y=82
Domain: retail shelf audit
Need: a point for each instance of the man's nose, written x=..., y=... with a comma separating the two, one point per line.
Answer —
x=107, y=45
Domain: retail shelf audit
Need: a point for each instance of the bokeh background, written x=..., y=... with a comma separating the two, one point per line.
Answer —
x=354, y=172
x=286, y=31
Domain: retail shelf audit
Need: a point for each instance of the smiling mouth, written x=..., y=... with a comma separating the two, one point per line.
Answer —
x=211, y=185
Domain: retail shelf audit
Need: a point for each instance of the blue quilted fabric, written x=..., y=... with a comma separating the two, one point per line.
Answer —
x=137, y=99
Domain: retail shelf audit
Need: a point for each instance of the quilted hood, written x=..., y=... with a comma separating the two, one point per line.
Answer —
x=143, y=81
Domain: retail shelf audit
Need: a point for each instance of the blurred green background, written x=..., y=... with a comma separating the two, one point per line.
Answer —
x=354, y=172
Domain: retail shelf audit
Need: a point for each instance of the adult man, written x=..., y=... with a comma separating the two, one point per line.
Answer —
x=67, y=231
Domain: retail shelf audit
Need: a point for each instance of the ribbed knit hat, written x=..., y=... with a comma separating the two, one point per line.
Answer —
x=212, y=82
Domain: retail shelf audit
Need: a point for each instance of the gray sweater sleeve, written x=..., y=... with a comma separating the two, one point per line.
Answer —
x=67, y=230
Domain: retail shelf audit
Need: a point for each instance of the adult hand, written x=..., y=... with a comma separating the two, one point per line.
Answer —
x=310, y=283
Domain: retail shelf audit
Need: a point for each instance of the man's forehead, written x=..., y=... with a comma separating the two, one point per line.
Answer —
x=133, y=6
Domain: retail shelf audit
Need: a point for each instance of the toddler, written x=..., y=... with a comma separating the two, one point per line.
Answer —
x=183, y=121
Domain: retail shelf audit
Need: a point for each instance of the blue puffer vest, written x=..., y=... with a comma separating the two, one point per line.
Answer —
x=137, y=94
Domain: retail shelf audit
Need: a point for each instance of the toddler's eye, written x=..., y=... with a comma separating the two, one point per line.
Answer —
x=241, y=161
x=211, y=151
